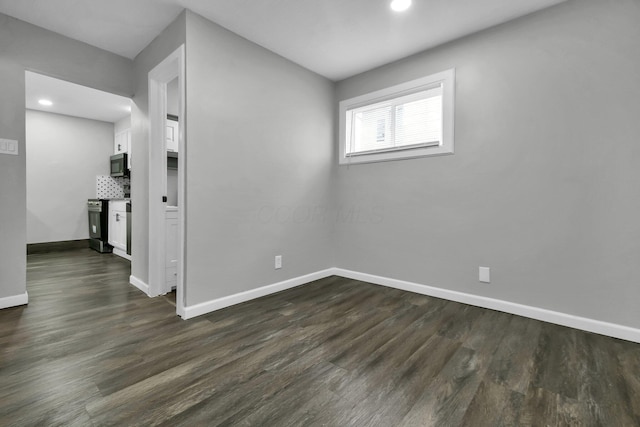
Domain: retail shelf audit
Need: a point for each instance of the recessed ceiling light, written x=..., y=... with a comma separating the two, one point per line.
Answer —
x=400, y=5
x=45, y=102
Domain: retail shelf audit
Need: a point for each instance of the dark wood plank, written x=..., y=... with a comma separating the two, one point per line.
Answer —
x=90, y=349
x=628, y=355
x=513, y=362
x=445, y=400
x=493, y=405
x=539, y=408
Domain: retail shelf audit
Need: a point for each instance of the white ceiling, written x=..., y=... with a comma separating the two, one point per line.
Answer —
x=335, y=38
x=74, y=100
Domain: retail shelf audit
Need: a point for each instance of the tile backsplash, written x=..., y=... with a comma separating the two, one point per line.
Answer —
x=109, y=187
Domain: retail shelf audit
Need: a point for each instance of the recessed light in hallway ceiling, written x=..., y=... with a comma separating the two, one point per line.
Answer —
x=400, y=5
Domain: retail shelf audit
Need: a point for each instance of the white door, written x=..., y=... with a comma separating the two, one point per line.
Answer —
x=171, y=249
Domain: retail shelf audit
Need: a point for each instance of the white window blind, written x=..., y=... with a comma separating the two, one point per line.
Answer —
x=408, y=120
x=402, y=123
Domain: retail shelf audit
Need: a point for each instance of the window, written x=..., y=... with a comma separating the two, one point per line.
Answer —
x=413, y=119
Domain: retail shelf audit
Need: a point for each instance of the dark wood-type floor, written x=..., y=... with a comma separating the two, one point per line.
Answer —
x=92, y=350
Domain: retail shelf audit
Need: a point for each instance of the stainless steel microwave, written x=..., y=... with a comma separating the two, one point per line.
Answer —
x=119, y=165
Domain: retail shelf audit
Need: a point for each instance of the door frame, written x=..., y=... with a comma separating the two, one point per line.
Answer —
x=171, y=67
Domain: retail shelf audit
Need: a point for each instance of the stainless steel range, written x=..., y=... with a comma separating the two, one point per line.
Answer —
x=99, y=225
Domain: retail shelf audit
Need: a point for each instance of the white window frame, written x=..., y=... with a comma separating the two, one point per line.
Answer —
x=445, y=78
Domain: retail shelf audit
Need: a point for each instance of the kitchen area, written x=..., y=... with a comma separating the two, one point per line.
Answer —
x=80, y=169
x=73, y=194
x=109, y=214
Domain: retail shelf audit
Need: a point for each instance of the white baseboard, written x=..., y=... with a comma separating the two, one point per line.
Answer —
x=139, y=284
x=14, y=300
x=558, y=318
x=555, y=317
x=217, y=304
x=121, y=253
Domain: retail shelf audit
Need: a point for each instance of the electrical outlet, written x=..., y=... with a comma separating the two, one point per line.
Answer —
x=9, y=146
x=484, y=274
x=278, y=262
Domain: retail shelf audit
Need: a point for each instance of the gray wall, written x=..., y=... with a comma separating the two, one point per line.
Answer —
x=161, y=47
x=122, y=125
x=543, y=185
x=259, y=160
x=64, y=155
x=24, y=46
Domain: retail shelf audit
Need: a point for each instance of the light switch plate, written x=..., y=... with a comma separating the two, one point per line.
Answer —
x=9, y=146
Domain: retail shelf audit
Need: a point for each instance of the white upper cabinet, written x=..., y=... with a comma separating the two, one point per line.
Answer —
x=122, y=141
x=172, y=135
x=122, y=144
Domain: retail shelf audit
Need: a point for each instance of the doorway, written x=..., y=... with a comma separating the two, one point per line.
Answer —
x=167, y=163
x=71, y=133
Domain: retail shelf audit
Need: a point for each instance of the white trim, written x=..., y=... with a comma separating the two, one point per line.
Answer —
x=171, y=67
x=139, y=284
x=446, y=78
x=158, y=79
x=558, y=318
x=555, y=317
x=220, y=303
x=122, y=254
x=182, y=184
x=14, y=300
